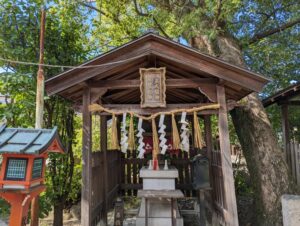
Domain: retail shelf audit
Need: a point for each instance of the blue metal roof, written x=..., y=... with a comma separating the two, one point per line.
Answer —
x=26, y=141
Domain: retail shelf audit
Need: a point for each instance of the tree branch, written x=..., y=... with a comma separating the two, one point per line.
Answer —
x=137, y=9
x=270, y=32
x=160, y=27
x=92, y=7
x=140, y=13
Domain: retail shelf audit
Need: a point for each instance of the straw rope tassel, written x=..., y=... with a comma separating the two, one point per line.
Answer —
x=197, y=132
x=156, y=149
x=175, y=134
x=114, y=136
x=131, y=141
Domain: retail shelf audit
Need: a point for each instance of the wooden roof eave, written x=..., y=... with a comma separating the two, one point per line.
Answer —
x=282, y=95
x=154, y=44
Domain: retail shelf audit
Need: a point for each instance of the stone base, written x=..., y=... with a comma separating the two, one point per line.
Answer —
x=159, y=213
x=158, y=221
x=291, y=210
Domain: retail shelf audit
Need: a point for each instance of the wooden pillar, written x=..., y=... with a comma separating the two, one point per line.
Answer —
x=86, y=196
x=286, y=133
x=103, y=140
x=231, y=217
x=209, y=148
x=208, y=136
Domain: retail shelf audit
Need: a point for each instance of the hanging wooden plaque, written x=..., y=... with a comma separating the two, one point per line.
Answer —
x=153, y=87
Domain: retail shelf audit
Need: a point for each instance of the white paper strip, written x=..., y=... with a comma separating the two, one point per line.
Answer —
x=124, y=139
x=162, y=137
x=141, y=146
x=185, y=145
x=161, y=120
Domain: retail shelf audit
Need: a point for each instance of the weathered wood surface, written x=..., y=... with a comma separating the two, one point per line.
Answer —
x=295, y=156
x=286, y=133
x=170, y=83
x=231, y=216
x=133, y=182
x=98, y=184
x=103, y=147
x=86, y=199
x=181, y=61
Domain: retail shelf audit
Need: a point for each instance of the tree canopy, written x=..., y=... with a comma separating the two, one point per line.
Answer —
x=267, y=33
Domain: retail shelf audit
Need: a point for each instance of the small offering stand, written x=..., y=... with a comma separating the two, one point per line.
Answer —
x=24, y=153
x=159, y=204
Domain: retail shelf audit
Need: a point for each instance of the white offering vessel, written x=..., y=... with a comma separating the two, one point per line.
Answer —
x=166, y=165
x=150, y=165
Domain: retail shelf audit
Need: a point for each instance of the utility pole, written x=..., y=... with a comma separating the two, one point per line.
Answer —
x=39, y=108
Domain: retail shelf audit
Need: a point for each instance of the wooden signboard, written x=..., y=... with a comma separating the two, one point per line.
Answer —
x=153, y=87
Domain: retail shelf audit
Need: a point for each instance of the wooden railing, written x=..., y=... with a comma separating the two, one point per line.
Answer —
x=113, y=182
x=130, y=166
x=295, y=160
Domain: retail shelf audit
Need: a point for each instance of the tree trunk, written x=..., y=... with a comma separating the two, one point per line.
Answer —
x=265, y=160
x=264, y=157
x=58, y=214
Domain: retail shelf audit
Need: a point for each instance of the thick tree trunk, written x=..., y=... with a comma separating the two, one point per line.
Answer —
x=58, y=214
x=265, y=160
x=264, y=157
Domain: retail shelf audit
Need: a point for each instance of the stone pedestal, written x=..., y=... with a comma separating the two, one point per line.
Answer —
x=291, y=210
x=159, y=190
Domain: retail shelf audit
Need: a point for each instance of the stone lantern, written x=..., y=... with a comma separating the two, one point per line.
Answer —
x=24, y=153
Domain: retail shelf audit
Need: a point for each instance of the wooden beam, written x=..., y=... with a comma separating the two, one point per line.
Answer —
x=227, y=72
x=208, y=142
x=289, y=102
x=103, y=140
x=97, y=94
x=56, y=86
x=170, y=83
x=86, y=194
x=231, y=216
x=286, y=133
x=208, y=90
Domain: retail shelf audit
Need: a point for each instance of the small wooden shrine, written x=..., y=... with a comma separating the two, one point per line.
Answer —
x=169, y=89
x=288, y=99
x=22, y=176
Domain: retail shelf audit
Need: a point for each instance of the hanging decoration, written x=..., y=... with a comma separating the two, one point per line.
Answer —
x=124, y=140
x=155, y=145
x=141, y=147
x=157, y=142
x=175, y=134
x=197, y=133
x=114, y=136
x=131, y=141
x=162, y=137
x=185, y=144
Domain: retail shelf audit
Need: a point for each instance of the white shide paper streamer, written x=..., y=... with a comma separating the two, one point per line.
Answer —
x=141, y=146
x=163, y=146
x=124, y=139
x=185, y=145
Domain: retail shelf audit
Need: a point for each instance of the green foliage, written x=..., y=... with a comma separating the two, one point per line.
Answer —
x=65, y=43
x=242, y=183
x=75, y=33
x=20, y=98
x=4, y=209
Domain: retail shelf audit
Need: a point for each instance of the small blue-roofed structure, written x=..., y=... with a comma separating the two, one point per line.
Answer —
x=28, y=141
x=22, y=174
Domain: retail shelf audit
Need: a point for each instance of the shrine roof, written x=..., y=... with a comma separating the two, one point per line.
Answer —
x=291, y=94
x=121, y=66
x=29, y=141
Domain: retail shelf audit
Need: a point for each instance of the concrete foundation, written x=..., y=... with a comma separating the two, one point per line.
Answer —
x=159, y=209
x=291, y=210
